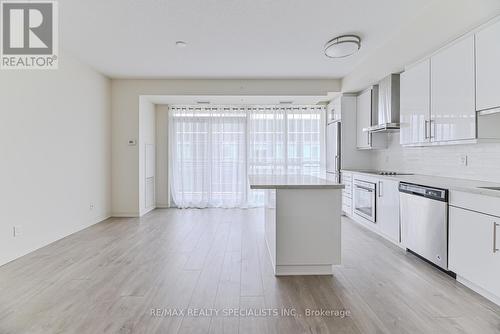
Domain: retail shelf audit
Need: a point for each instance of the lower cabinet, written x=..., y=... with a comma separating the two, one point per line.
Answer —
x=388, y=209
x=386, y=201
x=473, y=250
x=347, y=194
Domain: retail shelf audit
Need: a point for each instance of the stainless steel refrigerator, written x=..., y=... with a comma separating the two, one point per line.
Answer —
x=333, y=149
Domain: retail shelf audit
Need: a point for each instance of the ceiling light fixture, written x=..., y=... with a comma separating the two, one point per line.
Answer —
x=342, y=46
x=180, y=44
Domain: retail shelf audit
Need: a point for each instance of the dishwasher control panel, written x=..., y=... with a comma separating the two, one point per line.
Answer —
x=427, y=192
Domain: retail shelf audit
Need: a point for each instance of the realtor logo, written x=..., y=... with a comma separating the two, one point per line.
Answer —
x=29, y=36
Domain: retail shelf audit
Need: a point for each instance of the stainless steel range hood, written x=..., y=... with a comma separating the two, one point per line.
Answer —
x=388, y=105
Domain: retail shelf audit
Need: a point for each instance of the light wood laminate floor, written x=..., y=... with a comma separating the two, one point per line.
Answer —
x=107, y=278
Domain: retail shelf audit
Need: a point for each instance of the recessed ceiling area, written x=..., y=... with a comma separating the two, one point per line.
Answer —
x=226, y=39
x=235, y=100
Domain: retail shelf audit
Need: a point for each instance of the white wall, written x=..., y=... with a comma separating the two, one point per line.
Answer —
x=125, y=120
x=441, y=22
x=55, y=154
x=483, y=160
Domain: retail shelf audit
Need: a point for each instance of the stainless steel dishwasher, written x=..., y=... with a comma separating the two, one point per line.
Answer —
x=424, y=222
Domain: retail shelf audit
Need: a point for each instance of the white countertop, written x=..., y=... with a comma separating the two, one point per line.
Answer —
x=292, y=181
x=452, y=184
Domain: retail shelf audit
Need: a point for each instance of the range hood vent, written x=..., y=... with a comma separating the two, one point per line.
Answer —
x=388, y=105
x=386, y=127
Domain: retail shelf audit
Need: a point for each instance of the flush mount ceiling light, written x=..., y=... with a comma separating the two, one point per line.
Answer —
x=342, y=46
x=180, y=44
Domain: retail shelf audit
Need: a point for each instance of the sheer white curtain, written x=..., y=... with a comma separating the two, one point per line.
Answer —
x=284, y=140
x=213, y=149
x=208, y=157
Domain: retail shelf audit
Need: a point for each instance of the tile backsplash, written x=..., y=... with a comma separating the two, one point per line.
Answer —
x=483, y=160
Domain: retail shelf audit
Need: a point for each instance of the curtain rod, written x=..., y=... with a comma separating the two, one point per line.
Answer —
x=247, y=108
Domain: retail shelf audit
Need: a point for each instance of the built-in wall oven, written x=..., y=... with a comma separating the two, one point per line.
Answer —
x=364, y=198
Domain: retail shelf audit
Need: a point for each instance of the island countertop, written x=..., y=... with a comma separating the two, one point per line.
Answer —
x=292, y=181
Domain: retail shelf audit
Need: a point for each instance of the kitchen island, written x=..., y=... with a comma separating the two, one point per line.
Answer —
x=302, y=223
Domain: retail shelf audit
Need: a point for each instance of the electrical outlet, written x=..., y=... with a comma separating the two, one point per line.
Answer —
x=463, y=160
x=17, y=231
x=92, y=206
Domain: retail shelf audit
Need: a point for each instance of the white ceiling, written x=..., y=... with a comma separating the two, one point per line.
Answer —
x=226, y=38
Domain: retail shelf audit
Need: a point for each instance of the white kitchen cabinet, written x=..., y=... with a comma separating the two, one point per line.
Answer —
x=386, y=206
x=441, y=95
x=488, y=67
x=346, y=180
x=334, y=110
x=453, y=112
x=364, y=118
x=388, y=209
x=415, y=104
x=473, y=240
x=366, y=104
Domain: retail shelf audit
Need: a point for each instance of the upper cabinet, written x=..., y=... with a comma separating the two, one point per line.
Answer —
x=415, y=104
x=364, y=105
x=453, y=112
x=366, y=113
x=334, y=111
x=442, y=95
x=488, y=68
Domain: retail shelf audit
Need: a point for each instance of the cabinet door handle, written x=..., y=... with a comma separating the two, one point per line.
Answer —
x=380, y=189
x=425, y=127
x=495, y=226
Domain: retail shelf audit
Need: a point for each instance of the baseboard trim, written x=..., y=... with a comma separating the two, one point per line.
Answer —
x=57, y=238
x=486, y=294
x=366, y=224
x=125, y=215
x=288, y=270
x=146, y=211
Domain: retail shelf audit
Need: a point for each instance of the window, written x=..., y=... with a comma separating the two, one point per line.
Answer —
x=214, y=149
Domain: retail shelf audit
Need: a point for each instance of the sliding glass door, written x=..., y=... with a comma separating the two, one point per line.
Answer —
x=214, y=149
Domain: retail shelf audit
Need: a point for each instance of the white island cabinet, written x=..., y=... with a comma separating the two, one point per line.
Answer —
x=302, y=223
